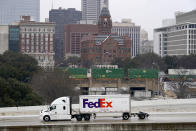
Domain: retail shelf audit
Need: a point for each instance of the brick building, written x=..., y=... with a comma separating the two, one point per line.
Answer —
x=37, y=40
x=74, y=34
x=103, y=47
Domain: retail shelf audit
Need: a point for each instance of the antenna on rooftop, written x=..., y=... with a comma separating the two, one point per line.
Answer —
x=52, y=4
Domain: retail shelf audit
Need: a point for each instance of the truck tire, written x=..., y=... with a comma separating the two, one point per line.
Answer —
x=79, y=118
x=141, y=116
x=46, y=118
x=87, y=117
x=126, y=116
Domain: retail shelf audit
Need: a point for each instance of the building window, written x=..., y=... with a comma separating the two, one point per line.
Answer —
x=27, y=35
x=23, y=35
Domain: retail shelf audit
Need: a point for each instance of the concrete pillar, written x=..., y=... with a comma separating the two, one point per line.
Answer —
x=119, y=83
x=90, y=82
x=146, y=84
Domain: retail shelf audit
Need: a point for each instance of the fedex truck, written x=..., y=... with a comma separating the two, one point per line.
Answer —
x=91, y=106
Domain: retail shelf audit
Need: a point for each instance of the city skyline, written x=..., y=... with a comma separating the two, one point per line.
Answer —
x=131, y=9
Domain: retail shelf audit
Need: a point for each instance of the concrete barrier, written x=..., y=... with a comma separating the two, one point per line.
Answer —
x=108, y=127
x=17, y=111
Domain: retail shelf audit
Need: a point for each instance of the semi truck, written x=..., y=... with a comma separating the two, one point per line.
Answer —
x=89, y=107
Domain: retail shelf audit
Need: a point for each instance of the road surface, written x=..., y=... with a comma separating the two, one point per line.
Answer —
x=154, y=118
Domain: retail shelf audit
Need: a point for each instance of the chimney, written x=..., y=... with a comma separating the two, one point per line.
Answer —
x=25, y=18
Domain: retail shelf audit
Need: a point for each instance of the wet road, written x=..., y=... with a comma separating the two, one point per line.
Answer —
x=154, y=118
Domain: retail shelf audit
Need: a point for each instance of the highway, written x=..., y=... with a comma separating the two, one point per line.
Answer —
x=154, y=118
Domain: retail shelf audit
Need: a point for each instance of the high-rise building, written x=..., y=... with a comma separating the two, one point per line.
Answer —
x=91, y=9
x=4, y=39
x=168, y=22
x=143, y=35
x=61, y=17
x=12, y=10
x=146, y=47
x=182, y=17
x=126, y=27
x=14, y=35
x=105, y=3
x=178, y=39
x=37, y=40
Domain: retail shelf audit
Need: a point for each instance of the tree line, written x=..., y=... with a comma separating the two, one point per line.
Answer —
x=153, y=61
x=16, y=71
x=147, y=61
x=23, y=83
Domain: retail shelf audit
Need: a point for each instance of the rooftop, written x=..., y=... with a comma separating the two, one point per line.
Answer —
x=173, y=26
x=99, y=39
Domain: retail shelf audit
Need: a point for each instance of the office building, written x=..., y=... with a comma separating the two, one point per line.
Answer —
x=146, y=47
x=168, y=22
x=177, y=40
x=37, y=40
x=143, y=35
x=74, y=34
x=104, y=47
x=4, y=38
x=91, y=10
x=127, y=28
x=14, y=41
x=183, y=17
x=12, y=10
x=61, y=17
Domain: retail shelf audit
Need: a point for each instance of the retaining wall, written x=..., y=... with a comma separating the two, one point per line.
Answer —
x=109, y=127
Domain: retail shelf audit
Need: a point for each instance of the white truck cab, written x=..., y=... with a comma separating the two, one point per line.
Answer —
x=58, y=110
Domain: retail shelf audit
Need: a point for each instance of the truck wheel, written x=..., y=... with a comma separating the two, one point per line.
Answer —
x=78, y=117
x=126, y=116
x=87, y=117
x=141, y=116
x=46, y=118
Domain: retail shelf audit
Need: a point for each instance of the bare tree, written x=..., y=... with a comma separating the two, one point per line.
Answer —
x=51, y=85
x=180, y=83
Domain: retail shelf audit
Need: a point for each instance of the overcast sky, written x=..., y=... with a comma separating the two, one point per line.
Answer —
x=146, y=13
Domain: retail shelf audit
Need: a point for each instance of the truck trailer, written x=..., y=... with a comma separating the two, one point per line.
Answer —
x=89, y=107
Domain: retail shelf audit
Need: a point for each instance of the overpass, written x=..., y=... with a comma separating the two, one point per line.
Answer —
x=143, y=84
x=116, y=78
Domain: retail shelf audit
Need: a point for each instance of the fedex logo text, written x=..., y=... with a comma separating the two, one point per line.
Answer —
x=101, y=103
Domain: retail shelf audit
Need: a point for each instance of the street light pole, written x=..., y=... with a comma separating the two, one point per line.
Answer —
x=158, y=82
